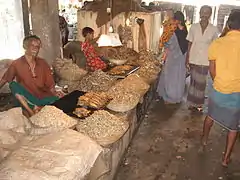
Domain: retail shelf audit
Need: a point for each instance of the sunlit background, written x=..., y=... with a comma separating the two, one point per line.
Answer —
x=11, y=31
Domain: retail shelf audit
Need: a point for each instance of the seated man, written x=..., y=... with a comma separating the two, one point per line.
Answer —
x=34, y=86
x=94, y=62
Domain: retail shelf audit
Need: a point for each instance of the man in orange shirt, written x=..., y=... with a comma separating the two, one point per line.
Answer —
x=34, y=85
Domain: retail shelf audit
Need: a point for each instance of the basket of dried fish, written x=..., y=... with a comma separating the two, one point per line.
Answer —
x=124, y=101
x=103, y=127
x=53, y=118
x=98, y=81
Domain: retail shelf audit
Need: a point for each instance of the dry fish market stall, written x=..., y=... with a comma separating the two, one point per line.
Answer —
x=107, y=164
x=111, y=124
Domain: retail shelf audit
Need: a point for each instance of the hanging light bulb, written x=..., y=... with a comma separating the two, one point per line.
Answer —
x=110, y=29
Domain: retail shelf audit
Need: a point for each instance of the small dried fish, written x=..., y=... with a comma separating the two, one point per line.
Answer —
x=97, y=81
x=102, y=125
x=52, y=117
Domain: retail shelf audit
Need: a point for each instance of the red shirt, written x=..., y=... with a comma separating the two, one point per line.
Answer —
x=93, y=60
x=38, y=85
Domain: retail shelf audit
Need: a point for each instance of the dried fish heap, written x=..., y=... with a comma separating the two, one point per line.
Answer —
x=97, y=81
x=53, y=118
x=65, y=69
x=122, y=53
x=103, y=127
x=127, y=93
x=123, y=101
x=150, y=67
x=149, y=72
x=132, y=83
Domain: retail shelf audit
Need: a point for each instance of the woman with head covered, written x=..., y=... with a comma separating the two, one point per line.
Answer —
x=172, y=80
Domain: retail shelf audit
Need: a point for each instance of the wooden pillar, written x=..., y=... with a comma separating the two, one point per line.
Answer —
x=25, y=10
x=45, y=24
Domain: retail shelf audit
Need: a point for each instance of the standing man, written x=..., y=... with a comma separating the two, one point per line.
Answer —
x=224, y=100
x=200, y=37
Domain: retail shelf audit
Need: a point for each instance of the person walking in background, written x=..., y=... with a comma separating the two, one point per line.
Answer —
x=63, y=25
x=200, y=37
x=173, y=77
x=224, y=100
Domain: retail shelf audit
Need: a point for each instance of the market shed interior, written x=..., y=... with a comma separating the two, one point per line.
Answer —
x=125, y=131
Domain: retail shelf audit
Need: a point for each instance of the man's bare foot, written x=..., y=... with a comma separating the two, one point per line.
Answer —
x=36, y=109
x=226, y=161
x=202, y=148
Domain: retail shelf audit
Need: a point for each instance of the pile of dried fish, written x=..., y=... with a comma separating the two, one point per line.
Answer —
x=149, y=72
x=52, y=117
x=103, y=127
x=119, y=70
x=124, y=101
x=145, y=56
x=65, y=69
x=122, y=53
x=132, y=83
x=97, y=81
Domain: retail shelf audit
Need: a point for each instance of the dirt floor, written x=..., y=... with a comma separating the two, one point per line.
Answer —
x=166, y=148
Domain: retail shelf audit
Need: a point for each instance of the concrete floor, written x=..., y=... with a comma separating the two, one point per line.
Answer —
x=166, y=148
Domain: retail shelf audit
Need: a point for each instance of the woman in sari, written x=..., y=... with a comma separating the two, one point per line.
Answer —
x=171, y=84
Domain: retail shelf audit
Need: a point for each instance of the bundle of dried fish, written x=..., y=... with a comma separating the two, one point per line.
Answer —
x=96, y=100
x=97, y=81
x=103, y=127
x=52, y=117
x=118, y=70
x=82, y=112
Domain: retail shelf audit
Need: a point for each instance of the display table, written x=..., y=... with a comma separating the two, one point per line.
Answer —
x=107, y=164
x=104, y=168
